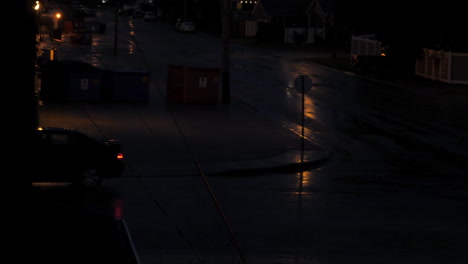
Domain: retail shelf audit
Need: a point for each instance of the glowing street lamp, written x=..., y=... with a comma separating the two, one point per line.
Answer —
x=56, y=19
x=37, y=7
x=56, y=32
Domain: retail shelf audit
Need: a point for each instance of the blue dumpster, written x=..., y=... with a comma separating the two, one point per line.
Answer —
x=126, y=86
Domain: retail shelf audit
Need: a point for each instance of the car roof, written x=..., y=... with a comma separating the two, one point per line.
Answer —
x=52, y=129
x=60, y=130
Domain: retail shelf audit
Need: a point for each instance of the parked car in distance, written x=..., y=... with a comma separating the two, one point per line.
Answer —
x=177, y=24
x=187, y=26
x=150, y=16
x=68, y=155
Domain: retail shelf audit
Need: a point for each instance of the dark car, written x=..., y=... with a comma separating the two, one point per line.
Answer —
x=187, y=26
x=150, y=16
x=68, y=155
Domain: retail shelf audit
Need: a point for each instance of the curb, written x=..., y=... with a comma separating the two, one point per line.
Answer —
x=287, y=162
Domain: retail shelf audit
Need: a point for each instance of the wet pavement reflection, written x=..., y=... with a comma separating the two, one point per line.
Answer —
x=383, y=197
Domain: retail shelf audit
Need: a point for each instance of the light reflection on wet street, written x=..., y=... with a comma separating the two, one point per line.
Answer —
x=372, y=203
x=386, y=196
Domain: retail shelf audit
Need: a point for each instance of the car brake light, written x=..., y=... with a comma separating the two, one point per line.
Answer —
x=118, y=209
x=120, y=156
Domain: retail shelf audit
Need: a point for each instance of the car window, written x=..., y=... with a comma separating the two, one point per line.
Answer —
x=44, y=138
x=67, y=138
x=58, y=139
x=80, y=140
x=63, y=139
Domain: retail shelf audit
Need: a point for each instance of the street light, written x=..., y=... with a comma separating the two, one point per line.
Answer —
x=37, y=7
x=56, y=17
x=56, y=32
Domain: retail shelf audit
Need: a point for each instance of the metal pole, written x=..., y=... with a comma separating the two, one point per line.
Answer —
x=116, y=22
x=303, y=121
x=225, y=75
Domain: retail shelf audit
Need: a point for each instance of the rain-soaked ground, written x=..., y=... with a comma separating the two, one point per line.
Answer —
x=394, y=191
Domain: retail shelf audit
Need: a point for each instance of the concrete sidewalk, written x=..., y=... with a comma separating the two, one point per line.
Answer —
x=161, y=138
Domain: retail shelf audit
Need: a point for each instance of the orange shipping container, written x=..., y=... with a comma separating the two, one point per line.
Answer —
x=193, y=85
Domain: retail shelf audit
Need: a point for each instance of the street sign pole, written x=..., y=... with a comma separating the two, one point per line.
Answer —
x=303, y=118
x=301, y=82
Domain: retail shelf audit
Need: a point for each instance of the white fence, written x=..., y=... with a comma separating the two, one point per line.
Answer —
x=449, y=67
x=365, y=45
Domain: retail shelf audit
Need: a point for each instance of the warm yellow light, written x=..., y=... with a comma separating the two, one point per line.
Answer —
x=306, y=178
x=37, y=6
x=52, y=54
x=58, y=15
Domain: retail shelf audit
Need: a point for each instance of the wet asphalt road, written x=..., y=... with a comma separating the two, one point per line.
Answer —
x=387, y=196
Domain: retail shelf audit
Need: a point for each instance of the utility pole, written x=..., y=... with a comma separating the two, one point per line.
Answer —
x=27, y=80
x=116, y=23
x=24, y=110
x=225, y=73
